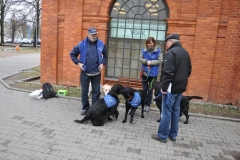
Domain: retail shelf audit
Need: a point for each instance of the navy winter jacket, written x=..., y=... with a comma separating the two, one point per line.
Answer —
x=82, y=49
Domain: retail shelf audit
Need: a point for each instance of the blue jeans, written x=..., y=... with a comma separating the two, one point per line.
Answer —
x=169, y=118
x=85, y=80
x=147, y=83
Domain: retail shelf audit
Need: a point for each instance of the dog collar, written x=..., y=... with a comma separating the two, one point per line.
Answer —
x=136, y=100
x=110, y=101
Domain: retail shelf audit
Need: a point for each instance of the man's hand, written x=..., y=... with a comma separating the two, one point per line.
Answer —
x=163, y=92
x=100, y=67
x=81, y=66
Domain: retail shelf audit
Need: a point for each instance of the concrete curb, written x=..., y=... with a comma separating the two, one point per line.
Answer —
x=122, y=104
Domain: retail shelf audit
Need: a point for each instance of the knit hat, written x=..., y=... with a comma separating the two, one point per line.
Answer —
x=92, y=31
x=173, y=36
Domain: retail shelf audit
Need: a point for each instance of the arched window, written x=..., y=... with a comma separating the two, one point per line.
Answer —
x=131, y=23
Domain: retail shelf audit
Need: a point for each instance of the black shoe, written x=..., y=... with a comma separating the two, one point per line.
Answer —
x=172, y=139
x=155, y=136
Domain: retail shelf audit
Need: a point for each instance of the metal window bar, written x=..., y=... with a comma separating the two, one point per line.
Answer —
x=125, y=27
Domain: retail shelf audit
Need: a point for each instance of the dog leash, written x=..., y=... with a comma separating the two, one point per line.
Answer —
x=115, y=93
x=150, y=85
x=147, y=74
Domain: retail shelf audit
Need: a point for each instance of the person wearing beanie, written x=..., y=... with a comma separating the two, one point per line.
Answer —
x=175, y=72
x=151, y=58
x=92, y=53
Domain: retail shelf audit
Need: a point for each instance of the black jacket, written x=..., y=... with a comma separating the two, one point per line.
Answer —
x=176, y=69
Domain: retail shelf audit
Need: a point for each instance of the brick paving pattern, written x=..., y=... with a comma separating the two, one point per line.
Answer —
x=32, y=129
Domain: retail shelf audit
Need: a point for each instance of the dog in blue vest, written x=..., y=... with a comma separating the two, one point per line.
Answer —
x=133, y=98
x=104, y=108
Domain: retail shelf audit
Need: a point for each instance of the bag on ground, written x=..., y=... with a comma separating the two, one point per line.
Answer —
x=48, y=91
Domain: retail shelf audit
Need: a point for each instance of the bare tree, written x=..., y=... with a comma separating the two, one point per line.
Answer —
x=35, y=7
x=5, y=8
x=29, y=14
x=16, y=23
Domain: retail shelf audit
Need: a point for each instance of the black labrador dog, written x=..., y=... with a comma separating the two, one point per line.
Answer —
x=133, y=98
x=184, y=104
x=105, y=107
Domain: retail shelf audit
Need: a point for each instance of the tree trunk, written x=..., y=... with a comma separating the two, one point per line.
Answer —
x=37, y=25
x=2, y=23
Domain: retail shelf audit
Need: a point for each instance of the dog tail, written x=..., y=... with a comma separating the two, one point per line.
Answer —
x=194, y=97
x=80, y=121
x=85, y=119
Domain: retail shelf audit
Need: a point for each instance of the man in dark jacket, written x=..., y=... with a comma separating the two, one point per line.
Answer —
x=176, y=70
x=92, y=58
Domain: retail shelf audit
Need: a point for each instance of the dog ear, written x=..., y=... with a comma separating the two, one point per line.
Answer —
x=115, y=88
x=131, y=92
x=102, y=90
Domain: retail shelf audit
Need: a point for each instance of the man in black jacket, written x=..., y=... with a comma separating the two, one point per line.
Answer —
x=176, y=70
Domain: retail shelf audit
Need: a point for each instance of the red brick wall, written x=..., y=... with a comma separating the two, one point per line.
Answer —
x=209, y=31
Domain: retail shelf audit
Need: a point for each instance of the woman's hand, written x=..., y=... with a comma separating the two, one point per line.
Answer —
x=149, y=63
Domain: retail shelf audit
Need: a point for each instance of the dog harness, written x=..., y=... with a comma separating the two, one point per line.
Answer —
x=136, y=100
x=110, y=101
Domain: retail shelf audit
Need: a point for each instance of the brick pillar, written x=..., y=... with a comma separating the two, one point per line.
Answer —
x=73, y=34
x=236, y=90
x=231, y=67
x=49, y=35
x=204, y=46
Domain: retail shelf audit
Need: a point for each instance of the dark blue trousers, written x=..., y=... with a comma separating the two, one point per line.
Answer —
x=147, y=83
x=85, y=80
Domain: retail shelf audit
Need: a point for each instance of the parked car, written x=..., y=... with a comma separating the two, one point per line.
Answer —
x=25, y=41
x=38, y=42
x=17, y=40
x=8, y=40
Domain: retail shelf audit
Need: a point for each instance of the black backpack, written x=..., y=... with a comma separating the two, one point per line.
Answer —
x=48, y=91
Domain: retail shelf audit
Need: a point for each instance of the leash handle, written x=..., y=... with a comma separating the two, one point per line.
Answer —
x=149, y=68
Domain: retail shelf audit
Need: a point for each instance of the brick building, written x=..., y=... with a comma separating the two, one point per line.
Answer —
x=210, y=31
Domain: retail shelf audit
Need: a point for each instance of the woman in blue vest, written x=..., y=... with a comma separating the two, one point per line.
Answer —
x=150, y=58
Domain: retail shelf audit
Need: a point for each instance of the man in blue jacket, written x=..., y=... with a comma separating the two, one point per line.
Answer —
x=175, y=72
x=92, y=53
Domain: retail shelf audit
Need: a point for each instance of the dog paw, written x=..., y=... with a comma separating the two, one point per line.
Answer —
x=158, y=120
x=124, y=121
x=79, y=121
x=142, y=116
x=110, y=119
x=116, y=116
x=186, y=122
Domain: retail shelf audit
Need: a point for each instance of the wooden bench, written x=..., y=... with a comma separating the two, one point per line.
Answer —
x=131, y=82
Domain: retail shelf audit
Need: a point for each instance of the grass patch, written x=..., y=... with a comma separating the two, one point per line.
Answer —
x=29, y=49
x=214, y=110
x=23, y=49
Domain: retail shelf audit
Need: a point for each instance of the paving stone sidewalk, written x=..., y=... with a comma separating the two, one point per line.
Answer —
x=32, y=129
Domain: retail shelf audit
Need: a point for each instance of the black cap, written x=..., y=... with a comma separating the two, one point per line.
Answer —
x=173, y=36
